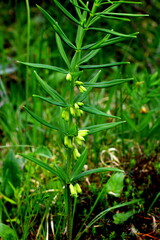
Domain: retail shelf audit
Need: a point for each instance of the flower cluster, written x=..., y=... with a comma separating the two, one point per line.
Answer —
x=71, y=141
x=74, y=111
x=81, y=88
x=75, y=190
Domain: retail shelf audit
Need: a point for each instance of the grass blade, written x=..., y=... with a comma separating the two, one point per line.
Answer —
x=100, y=215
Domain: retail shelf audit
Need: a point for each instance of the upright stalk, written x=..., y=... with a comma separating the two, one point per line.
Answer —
x=28, y=53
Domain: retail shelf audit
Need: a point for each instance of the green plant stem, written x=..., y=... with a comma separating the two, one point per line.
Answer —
x=28, y=53
x=69, y=213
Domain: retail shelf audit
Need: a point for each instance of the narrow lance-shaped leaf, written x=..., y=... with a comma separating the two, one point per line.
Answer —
x=49, y=100
x=122, y=14
x=42, y=121
x=116, y=18
x=57, y=28
x=109, y=9
x=63, y=176
x=88, y=56
x=79, y=164
x=102, y=65
x=107, y=84
x=68, y=14
x=114, y=32
x=91, y=109
x=96, y=170
x=75, y=4
x=100, y=127
x=44, y=66
x=53, y=93
x=61, y=50
x=120, y=1
x=105, y=43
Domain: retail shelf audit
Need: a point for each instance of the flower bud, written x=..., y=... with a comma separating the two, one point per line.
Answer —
x=72, y=111
x=80, y=104
x=82, y=89
x=73, y=191
x=83, y=133
x=79, y=137
x=68, y=142
x=76, y=154
x=69, y=77
x=76, y=106
x=78, y=188
x=65, y=115
x=79, y=83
